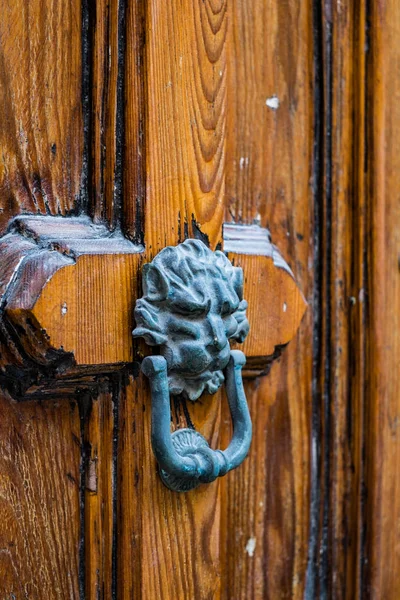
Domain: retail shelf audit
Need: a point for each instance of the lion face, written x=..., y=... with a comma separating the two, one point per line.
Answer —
x=191, y=307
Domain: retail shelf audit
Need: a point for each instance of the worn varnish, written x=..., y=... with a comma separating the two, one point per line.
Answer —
x=41, y=138
x=39, y=499
x=163, y=121
x=98, y=464
x=340, y=351
x=266, y=505
x=164, y=107
x=382, y=345
x=269, y=115
x=103, y=203
x=41, y=134
x=134, y=115
x=59, y=278
x=186, y=121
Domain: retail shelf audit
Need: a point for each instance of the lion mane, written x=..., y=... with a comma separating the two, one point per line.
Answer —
x=189, y=280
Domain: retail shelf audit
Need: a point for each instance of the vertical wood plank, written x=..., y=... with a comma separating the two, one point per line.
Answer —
x=134, y=181
x=269, y=112
x=168, y=542
x=41, y=165
x=382, y=552
x=98, y=496
x=172, y=542
x=103, y=94
x=39, y=499
x=186, y=121
x=341, y=361
x=266, y=503
x=41, y=131
x=130, y=498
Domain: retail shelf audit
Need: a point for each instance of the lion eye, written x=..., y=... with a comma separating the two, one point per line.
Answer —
x=183, y=328
x=228, y=307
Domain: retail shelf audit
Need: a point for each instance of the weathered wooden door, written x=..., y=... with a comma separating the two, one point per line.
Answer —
x=131, y=125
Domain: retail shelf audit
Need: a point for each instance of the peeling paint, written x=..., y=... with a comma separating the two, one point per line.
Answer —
x=251, y=546
x=244, y=162
x=273, y=102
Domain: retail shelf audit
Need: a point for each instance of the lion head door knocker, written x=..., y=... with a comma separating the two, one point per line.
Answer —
x=192, y=305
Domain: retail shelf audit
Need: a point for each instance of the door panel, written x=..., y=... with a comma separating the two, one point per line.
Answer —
x=173, y=111
x=199, y=126
x=40, y=87
x=268, y=180
x=167, y=121
x=39, y=499
x=41, y=137
x=382, y=346
x=150, y=148
x=185, y=126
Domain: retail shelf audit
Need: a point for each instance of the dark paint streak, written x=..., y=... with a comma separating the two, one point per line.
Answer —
x=324, y=551
x=84, y=402
x=365, y=534
x=98, y=199
x=88, y=20
x=353, y=538
x=178, y=403
x=318, y=187
x=118, y=384
x=140, y=182
x=120, y=117
x=198, y=234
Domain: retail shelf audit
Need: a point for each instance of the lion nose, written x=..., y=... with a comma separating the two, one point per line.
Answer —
x=217, y=332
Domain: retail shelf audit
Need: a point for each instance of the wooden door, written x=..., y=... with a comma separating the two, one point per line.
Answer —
x=131, y=125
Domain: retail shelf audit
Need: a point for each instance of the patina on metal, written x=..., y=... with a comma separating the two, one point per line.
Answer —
x=191, y=307
x=185, y=458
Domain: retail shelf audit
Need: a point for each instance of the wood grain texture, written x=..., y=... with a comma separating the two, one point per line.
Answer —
x=213, y=150
x=39, y=499
x=130, y=501
x=340, y=355
x=59, y=283
x=169, y=545
x=264, y=524
x=186, y=121
x=134, y=175
x=358, y=353
x=41, y=138
x=269, y=60
x=103, y=110
x=99, y=498
x=265, y=531
x=72, y=308
x=264, y=504
x=194, y=545
x=382, y=571
x=276, y=305
x=41, y=131
x=219, y=102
